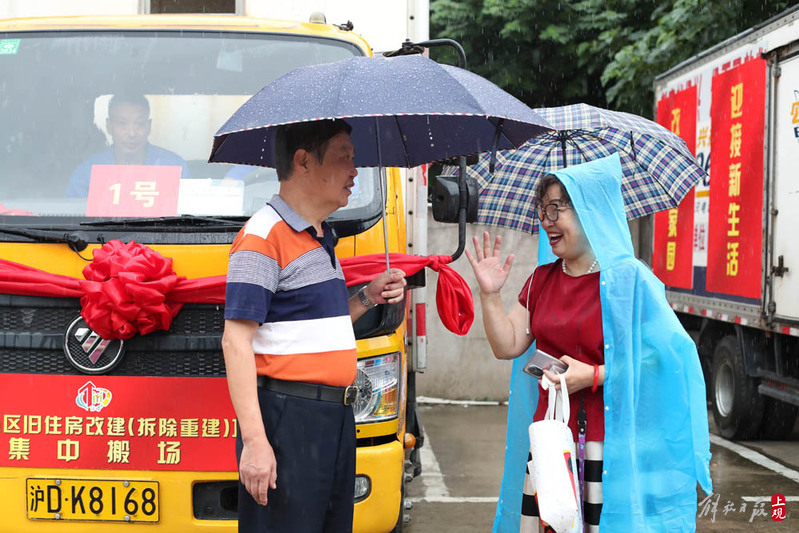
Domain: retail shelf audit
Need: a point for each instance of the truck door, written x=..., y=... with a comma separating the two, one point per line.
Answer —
x=785, y=136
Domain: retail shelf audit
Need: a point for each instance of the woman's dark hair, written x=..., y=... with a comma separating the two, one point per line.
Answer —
x=545, y=183
x=313, y=137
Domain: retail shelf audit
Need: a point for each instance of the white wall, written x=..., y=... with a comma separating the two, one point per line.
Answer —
x=464, y=367
x=55, y=8
x=384, y=24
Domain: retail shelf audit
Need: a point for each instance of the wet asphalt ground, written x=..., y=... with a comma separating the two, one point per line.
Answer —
x=464, y=454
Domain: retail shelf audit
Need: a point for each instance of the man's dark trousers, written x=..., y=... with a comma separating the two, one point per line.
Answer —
x=314, y=445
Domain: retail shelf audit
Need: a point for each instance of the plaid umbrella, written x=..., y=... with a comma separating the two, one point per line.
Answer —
x=659, y=170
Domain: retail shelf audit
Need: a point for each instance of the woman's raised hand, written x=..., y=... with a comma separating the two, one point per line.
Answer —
x=486, y=262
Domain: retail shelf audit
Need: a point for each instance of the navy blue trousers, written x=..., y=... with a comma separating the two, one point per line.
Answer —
x=314, y=445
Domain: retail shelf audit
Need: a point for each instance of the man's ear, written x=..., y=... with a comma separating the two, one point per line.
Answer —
x=301, y=160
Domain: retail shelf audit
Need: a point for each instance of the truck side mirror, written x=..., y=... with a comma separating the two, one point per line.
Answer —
x=446, y=199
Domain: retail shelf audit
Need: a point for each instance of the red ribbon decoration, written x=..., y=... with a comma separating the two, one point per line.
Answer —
x=453, y=295
x=125, y=291
x=131, y=288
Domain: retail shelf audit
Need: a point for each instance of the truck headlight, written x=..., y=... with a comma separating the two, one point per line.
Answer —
x=363, y=486
x=378, y=388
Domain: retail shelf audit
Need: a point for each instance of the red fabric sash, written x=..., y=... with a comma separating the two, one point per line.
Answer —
x=130, y=288
x=453, y=295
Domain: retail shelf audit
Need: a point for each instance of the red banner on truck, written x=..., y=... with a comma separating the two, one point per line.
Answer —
x=116, y=422
x=735, y=224
x=672, y=253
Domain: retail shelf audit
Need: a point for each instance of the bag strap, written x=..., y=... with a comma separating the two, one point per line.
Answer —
x=581, y=428
x=557, y=412
x=565, y=406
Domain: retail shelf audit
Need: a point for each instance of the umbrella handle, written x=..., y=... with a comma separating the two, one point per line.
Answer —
x=382, y=180
x=497, y=132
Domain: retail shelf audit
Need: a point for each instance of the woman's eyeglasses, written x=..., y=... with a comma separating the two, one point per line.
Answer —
x=551, y=211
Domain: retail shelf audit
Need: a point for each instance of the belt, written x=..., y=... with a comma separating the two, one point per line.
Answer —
x=312, y=391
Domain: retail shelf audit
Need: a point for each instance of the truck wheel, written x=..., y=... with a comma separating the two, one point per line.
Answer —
x=779, y=419
x=737, y=406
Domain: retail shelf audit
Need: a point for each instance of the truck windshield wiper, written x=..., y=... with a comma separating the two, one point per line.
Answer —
x=75, y=241
x=184, y=220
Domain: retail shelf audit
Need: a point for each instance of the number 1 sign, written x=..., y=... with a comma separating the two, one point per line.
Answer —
x=133, y=190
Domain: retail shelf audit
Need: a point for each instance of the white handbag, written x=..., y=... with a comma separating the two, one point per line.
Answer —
x=554, y=464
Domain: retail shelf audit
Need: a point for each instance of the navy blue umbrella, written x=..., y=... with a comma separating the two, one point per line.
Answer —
x=404, y=111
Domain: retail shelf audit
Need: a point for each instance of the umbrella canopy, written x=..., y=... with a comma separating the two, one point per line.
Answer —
x=659, y=170
x=404, y=111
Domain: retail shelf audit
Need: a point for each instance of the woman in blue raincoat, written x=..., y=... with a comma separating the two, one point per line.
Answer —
x=632, y=366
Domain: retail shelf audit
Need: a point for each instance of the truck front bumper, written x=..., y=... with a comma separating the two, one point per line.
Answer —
x=382, y=466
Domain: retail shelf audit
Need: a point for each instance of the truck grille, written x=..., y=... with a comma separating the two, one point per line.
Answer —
x=42, y=319
x=32, y=331
x=133, y=364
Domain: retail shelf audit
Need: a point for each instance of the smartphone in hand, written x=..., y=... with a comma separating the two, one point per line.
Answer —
x=541, y=361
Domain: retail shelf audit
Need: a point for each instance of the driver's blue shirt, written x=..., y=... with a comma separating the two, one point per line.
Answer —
x=79, y=182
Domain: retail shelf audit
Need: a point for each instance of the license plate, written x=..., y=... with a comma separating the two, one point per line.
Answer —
x=92, y=499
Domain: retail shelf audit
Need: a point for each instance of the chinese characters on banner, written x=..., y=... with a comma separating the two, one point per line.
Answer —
x=672, y=254
x=117, y=422
x=736, y=170
x=133, y=191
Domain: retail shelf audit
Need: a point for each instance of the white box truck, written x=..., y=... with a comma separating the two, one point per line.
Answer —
x=728, y=255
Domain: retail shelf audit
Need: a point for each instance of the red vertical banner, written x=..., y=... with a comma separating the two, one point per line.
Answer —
x=735, y=227
x=672, y=253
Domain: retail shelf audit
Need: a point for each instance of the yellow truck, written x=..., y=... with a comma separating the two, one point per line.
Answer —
x=94, y=433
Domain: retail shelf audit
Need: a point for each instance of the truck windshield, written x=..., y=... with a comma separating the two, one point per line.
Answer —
x=108, y=124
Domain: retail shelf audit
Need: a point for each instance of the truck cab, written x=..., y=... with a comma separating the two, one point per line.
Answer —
x=96, y=433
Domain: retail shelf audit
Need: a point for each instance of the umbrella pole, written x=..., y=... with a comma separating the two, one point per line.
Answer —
x=382, y=180
x=562, y=136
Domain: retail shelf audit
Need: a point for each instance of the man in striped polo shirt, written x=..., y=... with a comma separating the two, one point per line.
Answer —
x=289, y=345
